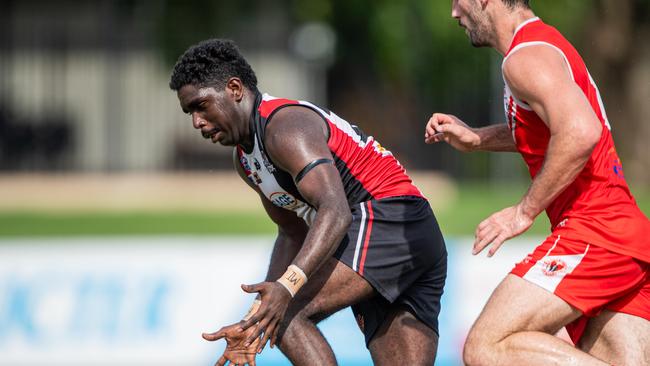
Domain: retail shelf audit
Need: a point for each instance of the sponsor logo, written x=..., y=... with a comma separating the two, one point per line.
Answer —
x=257, y=164
x=284, y=200
x=256, y=178
x=553, y=267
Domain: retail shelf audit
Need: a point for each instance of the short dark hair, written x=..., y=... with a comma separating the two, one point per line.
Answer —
x=513, y=3
x=211, y=63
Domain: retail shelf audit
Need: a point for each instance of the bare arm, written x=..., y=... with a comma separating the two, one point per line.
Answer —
x=540, y=76
x=450, y=129
x=296, y=137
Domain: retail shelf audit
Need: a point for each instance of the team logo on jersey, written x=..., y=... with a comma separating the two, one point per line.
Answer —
x=553, y=267
x=284, y=200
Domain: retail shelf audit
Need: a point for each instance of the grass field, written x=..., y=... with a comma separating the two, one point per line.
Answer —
x=472, y=204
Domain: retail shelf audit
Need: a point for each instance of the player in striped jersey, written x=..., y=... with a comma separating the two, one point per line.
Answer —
x=353, y=230
x=592, y=274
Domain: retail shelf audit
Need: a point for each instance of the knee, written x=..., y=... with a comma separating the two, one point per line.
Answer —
x=477, y=350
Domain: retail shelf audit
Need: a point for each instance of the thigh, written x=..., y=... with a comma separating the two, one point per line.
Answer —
x=517, y=305
x=403, y=340
x=333, y=287
x=621, y=333
x=618, y=338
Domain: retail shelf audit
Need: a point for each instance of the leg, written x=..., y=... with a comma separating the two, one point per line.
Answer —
x=516, y=327
x=403, y=340
x=619, y=338
x=334, y=287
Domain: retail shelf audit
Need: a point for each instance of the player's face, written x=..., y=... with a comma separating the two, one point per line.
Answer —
x=213, y=112
x=473, y=18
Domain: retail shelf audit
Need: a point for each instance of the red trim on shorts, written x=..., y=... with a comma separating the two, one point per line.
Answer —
x=367, y=239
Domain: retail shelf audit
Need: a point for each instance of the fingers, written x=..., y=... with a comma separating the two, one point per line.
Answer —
x=432, y=126
x=222, y=361
x=432, y=132
x=484, y=238
x=259, y=329
x=497, y=244
x=214, y=336
x=274, y=337
x=268, y=332
x=258, y=287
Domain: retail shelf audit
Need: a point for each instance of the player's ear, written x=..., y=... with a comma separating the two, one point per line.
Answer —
x=235, y=88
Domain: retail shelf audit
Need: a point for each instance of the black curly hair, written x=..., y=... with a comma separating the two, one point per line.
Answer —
x=211, y=63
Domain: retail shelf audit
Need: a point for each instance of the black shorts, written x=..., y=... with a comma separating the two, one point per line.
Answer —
x=396, y=245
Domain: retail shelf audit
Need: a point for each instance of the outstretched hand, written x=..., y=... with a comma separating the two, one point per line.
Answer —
x=450, y=129
x=266, y=321
x=236, y=351
x=499, y=227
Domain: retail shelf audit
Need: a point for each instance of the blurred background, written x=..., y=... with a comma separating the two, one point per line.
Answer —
x=123, y=234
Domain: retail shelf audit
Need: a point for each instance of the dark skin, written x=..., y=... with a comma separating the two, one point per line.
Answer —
x=295, y=137
x=293, y=141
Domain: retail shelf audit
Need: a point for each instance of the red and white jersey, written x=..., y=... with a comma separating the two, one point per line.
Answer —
x=598, y=204
x=367, y=170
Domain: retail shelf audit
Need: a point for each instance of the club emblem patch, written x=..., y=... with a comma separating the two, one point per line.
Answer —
x=553, y=267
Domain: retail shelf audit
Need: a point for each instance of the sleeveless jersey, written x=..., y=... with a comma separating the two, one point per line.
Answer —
x=598, y=204
x=367, y=170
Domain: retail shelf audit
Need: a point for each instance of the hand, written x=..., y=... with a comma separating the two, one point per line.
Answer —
x=500, y=227
x=275, y=300
x=450, y=129
x=235, y=351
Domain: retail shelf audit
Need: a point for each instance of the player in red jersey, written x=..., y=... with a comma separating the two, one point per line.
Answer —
x=592, y=274
x=353, y=230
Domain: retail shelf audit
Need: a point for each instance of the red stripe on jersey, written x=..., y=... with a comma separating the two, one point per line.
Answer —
x=268, y=106
x=380, y=175
x=367, y=239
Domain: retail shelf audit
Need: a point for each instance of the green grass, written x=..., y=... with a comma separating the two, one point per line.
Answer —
x=133, y=223
x=474, y=203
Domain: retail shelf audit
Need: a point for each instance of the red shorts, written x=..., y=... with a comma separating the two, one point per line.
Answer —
x=589, y=278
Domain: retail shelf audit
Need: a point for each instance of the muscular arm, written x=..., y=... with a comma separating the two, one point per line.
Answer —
x=295, y=137
x=540, y=76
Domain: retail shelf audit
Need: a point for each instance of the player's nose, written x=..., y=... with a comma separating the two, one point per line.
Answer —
x=197, y=121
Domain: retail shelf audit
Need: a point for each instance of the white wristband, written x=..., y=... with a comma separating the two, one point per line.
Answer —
x=293, y=279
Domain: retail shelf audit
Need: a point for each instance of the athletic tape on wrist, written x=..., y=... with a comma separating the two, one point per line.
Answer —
x=293, y=279
x=254, y=308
